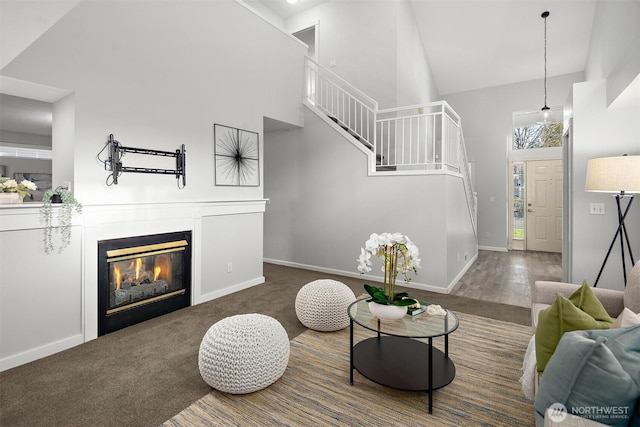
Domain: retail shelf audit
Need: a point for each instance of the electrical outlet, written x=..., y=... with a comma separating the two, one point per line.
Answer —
x=596, y=208
x=229, y=267
x=487, y=235
x=66, y=185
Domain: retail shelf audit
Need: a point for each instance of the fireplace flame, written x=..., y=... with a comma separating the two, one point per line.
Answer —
x=116, y=272
x=138, y=267
x=162, y=269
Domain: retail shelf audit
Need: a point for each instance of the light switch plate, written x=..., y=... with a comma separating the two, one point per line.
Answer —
x=596, y=208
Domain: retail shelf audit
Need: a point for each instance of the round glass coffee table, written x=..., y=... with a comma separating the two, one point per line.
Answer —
x=401, y=354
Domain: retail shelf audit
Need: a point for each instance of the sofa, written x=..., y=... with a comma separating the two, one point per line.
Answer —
x=622, y=306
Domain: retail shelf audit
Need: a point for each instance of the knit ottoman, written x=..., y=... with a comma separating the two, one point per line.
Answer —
x=322, y=305
x=244, y=353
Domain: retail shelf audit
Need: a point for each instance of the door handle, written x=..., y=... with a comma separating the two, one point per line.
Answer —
x=530, y=210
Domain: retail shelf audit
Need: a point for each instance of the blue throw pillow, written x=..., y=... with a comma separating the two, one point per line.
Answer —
x=595, y=374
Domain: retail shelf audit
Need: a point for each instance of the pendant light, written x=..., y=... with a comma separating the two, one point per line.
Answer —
x=545, y=111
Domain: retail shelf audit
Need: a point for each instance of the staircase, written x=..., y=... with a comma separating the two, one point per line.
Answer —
x=419, y=139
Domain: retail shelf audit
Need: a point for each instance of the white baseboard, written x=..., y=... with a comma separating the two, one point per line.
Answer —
x=229, y=290
x=492, y=248
x=454, y=282
x=40, y=352
x=365, y=277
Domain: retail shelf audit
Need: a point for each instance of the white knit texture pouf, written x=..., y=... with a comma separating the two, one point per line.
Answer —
x=244, y=353
x=322, y=305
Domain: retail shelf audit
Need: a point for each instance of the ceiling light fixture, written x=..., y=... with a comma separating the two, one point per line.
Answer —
x=545, y=111
x=292, y=1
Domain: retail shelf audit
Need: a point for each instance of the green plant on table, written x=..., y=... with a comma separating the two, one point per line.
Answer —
x=399, y=255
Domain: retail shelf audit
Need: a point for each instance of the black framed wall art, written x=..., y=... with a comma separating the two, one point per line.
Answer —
x=236, y=156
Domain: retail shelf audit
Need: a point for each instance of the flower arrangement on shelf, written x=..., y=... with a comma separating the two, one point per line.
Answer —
x=8, y=185
x=399, y=255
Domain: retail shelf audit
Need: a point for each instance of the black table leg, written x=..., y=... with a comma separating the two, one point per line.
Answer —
x=446, y=345
x=351, y=350
x=430, y=375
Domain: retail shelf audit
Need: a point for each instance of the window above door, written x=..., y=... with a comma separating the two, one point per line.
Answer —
x=530, y=133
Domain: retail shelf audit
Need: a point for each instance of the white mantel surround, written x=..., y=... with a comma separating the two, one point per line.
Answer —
x=48, y=303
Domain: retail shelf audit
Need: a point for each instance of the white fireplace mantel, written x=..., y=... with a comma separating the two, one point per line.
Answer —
x=49, y=302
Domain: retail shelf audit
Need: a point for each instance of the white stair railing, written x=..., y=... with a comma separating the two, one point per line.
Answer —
x=425, y=137
x=472, y=197
x=341, y=101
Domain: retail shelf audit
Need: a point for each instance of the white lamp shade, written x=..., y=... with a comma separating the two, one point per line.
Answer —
x=614, y=174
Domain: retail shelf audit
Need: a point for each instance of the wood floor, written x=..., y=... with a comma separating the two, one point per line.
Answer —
x=505, y=277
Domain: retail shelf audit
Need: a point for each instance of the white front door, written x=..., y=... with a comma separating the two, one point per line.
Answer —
x=544, y=205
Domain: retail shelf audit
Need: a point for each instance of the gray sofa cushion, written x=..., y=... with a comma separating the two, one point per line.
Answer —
x=632, y=291
x=595, y=374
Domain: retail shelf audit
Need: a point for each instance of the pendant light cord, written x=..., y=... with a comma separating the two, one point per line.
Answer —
x=545, y=15
x=545, y=60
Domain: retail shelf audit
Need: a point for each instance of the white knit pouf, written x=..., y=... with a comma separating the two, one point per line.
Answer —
x=322, y=305
x=244, y=353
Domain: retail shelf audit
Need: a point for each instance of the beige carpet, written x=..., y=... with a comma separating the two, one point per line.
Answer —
x=315, y=389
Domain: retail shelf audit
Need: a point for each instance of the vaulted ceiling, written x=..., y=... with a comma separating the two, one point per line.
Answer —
x=470, y=44
x=473, y=44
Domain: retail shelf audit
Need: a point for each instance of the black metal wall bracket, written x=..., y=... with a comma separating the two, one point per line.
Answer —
x=116, y=151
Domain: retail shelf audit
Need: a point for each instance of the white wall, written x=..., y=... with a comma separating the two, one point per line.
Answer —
x=415, y=80
x=602, y=128
x=323, y=207
x=159, y=75
x=600, y=132
x=40, y=296
x=614, y=53
x=170, y=71
x=487, y=125
x=376, y=48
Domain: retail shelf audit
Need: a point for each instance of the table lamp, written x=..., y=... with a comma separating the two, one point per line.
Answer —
x=618, y=175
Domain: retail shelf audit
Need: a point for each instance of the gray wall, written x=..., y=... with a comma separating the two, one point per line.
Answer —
x=487, y=125
x=323, y=207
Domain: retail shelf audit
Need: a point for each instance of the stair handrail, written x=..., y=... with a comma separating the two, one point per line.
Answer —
x=357, y=102
x=346, y=105
x=470, y=193
x=343, y=82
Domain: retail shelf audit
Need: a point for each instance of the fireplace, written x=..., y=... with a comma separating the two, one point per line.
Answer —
x=142, y=277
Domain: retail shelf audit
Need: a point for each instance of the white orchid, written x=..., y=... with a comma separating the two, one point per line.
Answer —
x=400, y=255
x=364, y=261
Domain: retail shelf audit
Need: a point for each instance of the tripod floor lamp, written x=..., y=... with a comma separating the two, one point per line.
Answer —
x=620, y=176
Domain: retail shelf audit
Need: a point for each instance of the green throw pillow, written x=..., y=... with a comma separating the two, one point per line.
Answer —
x=563, y=316
x=587, y=301
x=596, y=375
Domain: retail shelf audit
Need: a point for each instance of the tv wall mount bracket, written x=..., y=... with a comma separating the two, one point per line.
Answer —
x=115, y=166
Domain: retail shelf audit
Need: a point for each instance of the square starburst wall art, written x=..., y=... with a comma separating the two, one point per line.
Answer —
x=236, y=156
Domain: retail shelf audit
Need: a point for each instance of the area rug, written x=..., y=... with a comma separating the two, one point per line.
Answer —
x=315, y=389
